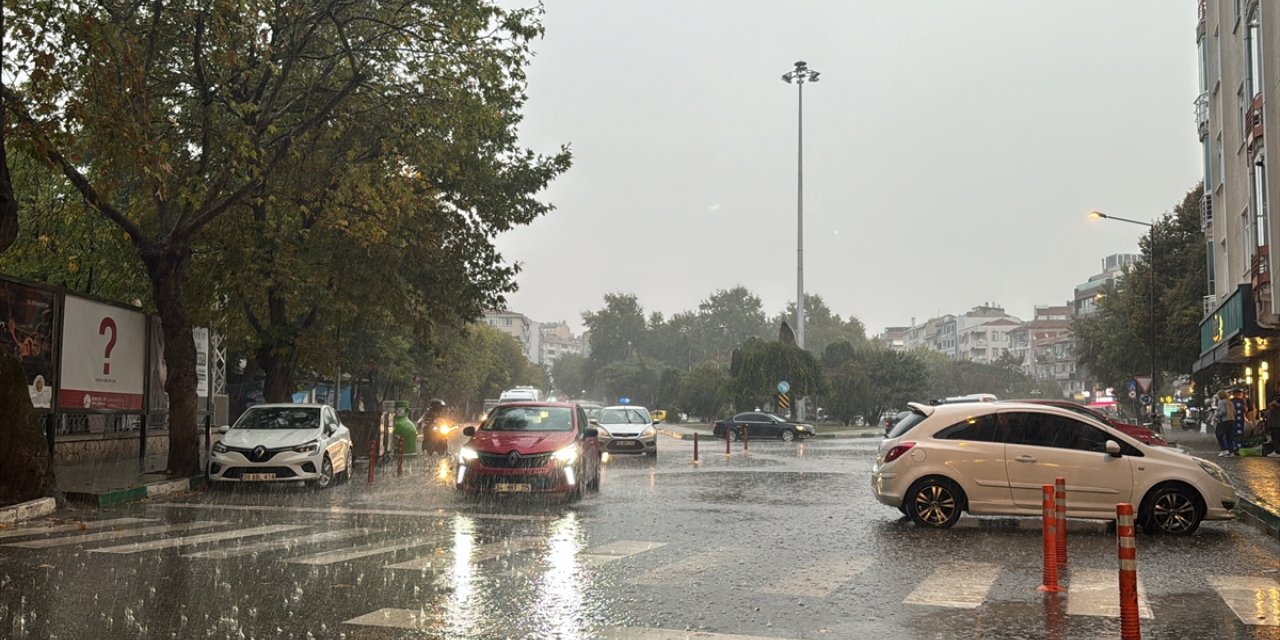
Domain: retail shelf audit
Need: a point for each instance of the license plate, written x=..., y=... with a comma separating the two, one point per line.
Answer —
x=259, y=476
x=630, y=444
x=508, y=487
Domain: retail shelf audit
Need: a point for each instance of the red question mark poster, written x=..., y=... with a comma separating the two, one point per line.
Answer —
x=103, y=357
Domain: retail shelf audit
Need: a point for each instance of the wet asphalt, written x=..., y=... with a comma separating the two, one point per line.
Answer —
x=785, y=541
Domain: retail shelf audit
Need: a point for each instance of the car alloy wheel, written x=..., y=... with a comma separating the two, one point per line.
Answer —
x=326, y=473
x=1172, y=512
x=934, y=503
x=787, y=435
x=731, y=434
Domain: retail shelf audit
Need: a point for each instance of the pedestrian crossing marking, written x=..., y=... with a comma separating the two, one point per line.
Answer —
x=636, y=633
x=692, y=566
x=1096, y=592
x=359, y=511
x=47, y=543
x=482, y=553
x=960, y=585
x=170, y=543
x=618, y=550
x=819, y=579
x=1256, y=601
x=344, y=555
x=74, y=526
x=276, y=545
x=393, y=619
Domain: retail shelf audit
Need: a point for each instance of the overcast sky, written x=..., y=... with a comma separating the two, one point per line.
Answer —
x=952, y=150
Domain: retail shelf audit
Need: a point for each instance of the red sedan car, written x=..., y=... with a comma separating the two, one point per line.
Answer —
x=1143, y=434
x=531, y=447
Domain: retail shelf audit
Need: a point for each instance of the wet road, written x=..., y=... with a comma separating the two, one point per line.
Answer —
x=784, y=542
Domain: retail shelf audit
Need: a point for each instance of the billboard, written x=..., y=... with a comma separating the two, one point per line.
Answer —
x=160, y=370
x=103, y=356
x=26, y=331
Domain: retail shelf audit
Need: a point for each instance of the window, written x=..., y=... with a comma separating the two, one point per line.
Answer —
x=1046, y=430
x=1260, y=204
x=905, y=424
x=1242, y=108
x=1221, y=166
x=975, y=429
x=1246, y=230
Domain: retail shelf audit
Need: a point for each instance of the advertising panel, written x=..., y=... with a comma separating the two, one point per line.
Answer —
x=103, y=356
x=26, y=331
x=160, y=371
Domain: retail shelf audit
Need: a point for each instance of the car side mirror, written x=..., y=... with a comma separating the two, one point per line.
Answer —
x=590, y=433
x=593, y=422
x=1113, y=448
x=224, y=428
x=469, y=431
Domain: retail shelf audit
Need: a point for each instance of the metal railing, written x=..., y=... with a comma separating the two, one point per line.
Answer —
x=1209, y=303
x=1206, y=210
x=1202, y=115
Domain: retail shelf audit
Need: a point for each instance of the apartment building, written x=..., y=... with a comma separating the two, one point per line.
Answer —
x=1239, y=59
x=1046, y=347
x=1085, y=302
x=518, y=326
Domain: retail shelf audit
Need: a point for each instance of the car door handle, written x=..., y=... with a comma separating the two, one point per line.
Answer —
x=1025, y=458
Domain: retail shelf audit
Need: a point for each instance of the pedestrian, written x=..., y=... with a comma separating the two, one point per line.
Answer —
x=1272, y=418
x=1222, y=420
x=1240, y=409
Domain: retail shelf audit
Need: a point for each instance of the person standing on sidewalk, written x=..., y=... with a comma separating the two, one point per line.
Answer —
x=1272, y=417
x=1240, y=410
x=1222, y=420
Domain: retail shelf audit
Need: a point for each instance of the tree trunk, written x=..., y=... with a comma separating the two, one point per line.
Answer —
x=25, y=469
x=278, y=364
x=369, y=393
x=167, y=268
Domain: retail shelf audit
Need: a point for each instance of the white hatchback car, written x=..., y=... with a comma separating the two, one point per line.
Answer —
x=992, y=459
x=283, y=443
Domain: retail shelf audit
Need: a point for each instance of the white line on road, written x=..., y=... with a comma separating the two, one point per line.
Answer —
x=46, y=543
x=962, y=585
x=169, y=543
x=821, y=578
x=393, y=619
x=618, y=550
x=74, y=526
x=1256, y=601
x=276, y=545
x=335, y=510
x=1096, y=592
x=676, y=574
x=635, y=633
x=482, y=553
x=343, y=555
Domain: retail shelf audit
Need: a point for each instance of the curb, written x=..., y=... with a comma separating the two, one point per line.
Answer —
x=114, y=497
x=1255, y=512
x=28, y=510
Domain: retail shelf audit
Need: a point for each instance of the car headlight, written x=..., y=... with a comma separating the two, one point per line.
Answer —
x=567, y=455
x=467, y=453
x=310, y=447
x=649, y=432
x=1214, y=471
x=218, y=447
x=603, y=433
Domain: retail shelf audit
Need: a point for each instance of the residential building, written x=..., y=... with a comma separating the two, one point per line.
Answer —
x=982, y=334
x=557, y=340
x=936, y=334
x=1046, y=347
x=1085, y=302
x=518, y=326
x=1239, y=60
x=894, y=338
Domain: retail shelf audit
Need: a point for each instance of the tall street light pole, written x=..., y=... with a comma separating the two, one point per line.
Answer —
x=1155, y=384
x=798, y=76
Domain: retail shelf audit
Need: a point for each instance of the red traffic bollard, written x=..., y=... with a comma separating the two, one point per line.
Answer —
x=1050, y=582
x=373, y=458
x=1060, y=507
x=399, y=456
x=746, y=441
x=1127, y=550
x=727, y=442
x=695, y=447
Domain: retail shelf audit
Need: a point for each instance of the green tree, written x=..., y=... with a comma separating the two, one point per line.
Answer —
x=726, y=319
x=822, y=327
x=617, y=331
x=568, y=374
x=635, y=378
x=702, y=391
x=758, y=366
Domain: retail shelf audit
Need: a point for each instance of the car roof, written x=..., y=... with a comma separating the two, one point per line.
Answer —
x=537, y=403
x=962, y=410
x=290, y=405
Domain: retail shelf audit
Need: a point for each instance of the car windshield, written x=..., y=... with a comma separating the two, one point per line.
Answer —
x=622, y=416
x=529, y=419
x=279, y=418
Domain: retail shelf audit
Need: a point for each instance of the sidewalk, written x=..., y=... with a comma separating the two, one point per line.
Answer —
x=111, y=482
x=1257, y=479
x=686, y=431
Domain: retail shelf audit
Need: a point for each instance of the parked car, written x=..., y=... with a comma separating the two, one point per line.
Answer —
x=1142, y=433
x=283, y=443
x=531, y=447
x=628, y=429
x=757, y=424
x=659, y=416
x=993, y=458
x=889, y=420
x=593, y=409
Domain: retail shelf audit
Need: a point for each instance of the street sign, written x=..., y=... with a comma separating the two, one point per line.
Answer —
x=784, y=401
x=1144, y=382
x=1133, y=386
x=1133, y=394
x=784, y=386
x=1146, y=399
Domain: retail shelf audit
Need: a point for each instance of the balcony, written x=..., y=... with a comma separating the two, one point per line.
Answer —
x=1206, y=210
x=1260, y=269
x=1202, y=115
x=1255, y=123
x=1209, y=303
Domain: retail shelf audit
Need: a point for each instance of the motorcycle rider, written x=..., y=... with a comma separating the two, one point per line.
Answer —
x=435, y=428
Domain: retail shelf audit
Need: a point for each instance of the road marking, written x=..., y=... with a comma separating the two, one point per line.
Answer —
x=618, y=550
x=169, y=543
x=693, y=566
x=276, y=545
x=635, y=633
x=46, y=543
x=1096, y=592
x=433, y=513
x=819, y=579
x=961, y=585
x=1256, y=601
x=343, y=555
x=482, y=553
x=74, y=526
x=393, y=619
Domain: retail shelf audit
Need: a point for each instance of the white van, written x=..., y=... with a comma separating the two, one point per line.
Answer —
x=521, y=394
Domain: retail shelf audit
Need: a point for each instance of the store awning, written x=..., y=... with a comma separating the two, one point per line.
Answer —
x=1231, y=335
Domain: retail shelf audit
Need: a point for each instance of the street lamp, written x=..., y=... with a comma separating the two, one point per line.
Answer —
x=1155, y=385
x=798, y=76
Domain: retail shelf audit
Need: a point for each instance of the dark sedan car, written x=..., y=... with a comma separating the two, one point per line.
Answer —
x=757, y=424
x=1144, y=434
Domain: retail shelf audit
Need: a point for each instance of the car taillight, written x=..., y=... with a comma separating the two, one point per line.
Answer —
x=897, y=451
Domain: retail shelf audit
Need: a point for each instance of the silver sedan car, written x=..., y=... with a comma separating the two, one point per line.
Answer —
x=628, y=429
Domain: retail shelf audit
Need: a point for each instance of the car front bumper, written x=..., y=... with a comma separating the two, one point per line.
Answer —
x=473, y=476
x=625, y=445
x=283, y=466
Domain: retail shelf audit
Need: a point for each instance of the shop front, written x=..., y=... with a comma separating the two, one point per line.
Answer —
x=1243, y=352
